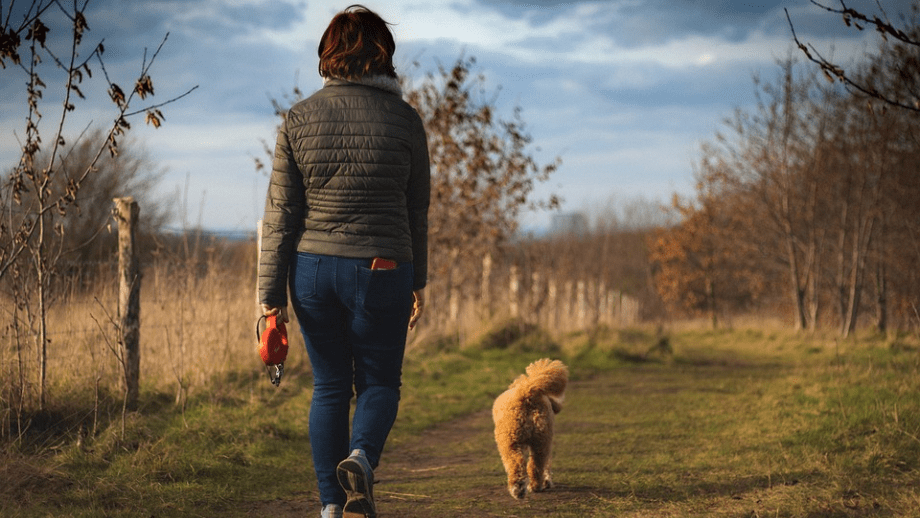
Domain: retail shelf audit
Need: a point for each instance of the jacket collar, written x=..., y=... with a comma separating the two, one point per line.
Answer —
x=387, y=83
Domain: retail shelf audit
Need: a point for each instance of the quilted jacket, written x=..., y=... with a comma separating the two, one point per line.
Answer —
x=350, y=178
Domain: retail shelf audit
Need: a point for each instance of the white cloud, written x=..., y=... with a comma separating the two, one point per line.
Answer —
x=626, y=116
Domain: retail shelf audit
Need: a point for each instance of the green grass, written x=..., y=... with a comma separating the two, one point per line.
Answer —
x=694, y=423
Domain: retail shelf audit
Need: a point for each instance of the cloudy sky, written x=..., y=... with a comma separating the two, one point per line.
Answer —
x=624, y=91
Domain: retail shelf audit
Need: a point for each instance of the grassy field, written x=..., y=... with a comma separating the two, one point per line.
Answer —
x=747, y=423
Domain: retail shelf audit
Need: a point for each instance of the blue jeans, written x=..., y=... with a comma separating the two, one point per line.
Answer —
x=354, y=322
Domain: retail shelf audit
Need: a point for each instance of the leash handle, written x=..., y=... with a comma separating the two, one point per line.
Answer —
x=275, y=371
x=259, y=333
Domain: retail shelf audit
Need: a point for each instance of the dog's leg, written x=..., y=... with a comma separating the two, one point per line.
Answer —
x=538, y=467
x=515, y=466
x=547, y=477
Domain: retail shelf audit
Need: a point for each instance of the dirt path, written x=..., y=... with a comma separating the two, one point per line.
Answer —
x=642, y=440
x=450, y=471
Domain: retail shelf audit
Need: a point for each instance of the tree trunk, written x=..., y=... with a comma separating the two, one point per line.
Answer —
x=711, y=302
x=841, y=263
x=853, y=293
x=881, y=290
x=860, y=250
x=814, y=303
x=812, y=259
x=798, y=293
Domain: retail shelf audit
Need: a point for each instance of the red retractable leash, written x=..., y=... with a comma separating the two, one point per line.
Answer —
x=273, y=346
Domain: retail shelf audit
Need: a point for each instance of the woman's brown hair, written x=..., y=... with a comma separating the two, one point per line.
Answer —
x=357, y=43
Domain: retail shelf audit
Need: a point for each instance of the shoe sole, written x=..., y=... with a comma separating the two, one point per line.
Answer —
x=353, y=480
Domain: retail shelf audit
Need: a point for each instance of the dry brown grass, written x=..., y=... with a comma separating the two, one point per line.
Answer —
x=197, y=323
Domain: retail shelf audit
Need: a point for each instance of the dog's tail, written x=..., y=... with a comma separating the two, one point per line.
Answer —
x=545, y=378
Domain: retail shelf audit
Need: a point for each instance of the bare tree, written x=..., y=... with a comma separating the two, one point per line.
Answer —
x=817, y=197
x=87, y=235
x=483, y=172
x=889, y=77
x=774, y=153
x=706, y=264
x=32, y=228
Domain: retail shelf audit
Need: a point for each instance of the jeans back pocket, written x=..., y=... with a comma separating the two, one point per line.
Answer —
x=303, y=276
x=384, y=293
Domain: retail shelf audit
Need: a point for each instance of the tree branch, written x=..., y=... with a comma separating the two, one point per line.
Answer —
x=853, y=17
x=155, y=106
x=834, y=72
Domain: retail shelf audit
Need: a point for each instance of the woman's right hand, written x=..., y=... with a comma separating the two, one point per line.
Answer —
x=270, y=310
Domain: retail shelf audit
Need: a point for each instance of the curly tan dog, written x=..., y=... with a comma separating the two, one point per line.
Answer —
x=523, y=417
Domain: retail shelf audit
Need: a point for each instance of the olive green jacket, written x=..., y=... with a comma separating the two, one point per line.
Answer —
x=350, y=178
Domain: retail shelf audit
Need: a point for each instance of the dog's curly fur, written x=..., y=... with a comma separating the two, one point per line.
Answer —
x=524, y=416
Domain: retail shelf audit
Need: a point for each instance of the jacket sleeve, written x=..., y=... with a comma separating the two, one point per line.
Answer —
x=418, y=198
x=282, y=223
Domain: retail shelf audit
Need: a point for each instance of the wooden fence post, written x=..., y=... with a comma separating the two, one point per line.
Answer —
x=514, y=291
x=601, y=302
x=552, y=308
x=535, y=305
x=485, y=288
x=129, y=289
x=454, y=294
x=567, y=306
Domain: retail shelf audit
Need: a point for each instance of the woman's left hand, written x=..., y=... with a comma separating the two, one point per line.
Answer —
x=418, y=303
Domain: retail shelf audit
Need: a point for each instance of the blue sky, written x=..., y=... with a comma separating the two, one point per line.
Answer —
x=624, y=91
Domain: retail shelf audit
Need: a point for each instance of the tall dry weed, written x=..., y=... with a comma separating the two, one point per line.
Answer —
x=197, y=319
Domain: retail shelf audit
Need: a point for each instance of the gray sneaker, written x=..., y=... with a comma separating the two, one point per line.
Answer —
x=357, y=479
x=331, y=511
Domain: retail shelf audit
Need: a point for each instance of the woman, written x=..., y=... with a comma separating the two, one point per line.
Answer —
x=346, y=228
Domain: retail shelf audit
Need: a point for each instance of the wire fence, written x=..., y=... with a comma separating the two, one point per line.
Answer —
x=197, y=318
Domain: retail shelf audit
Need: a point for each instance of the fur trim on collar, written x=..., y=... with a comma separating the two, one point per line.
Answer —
x=390, y=84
